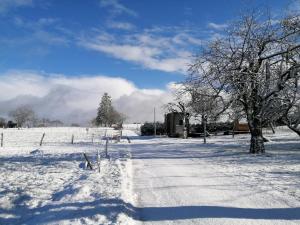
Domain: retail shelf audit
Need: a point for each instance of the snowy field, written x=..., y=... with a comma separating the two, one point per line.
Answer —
x=147, y=181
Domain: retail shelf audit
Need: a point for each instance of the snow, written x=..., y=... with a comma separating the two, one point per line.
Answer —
x=148, y=181
x=186, y=182
x=46, y=184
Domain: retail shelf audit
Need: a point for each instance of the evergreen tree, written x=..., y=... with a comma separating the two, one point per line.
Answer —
x=104, y=111
x=107, y=115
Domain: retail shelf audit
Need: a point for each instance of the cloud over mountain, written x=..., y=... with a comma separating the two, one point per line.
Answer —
x=75, y=99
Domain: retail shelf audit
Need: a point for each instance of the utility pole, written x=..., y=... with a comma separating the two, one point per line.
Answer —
x=184, y=124
x=154, y=123
x=204, y=121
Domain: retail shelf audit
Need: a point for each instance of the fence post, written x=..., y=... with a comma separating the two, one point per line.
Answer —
x=106, y=148
x=88, y=161
x=72, y=140
x=41, y=142
x=92, y=138
x=120, y=138
x=233, y=129
x=1, y=139
x=98, y=160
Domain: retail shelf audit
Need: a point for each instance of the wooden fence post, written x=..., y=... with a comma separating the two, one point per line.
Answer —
x=120, y=135
x=88, y=161
x=41, y=142
x=72, y=140
x=92, y=138
x=1, y=139
x=106, y=148
x=98, y=159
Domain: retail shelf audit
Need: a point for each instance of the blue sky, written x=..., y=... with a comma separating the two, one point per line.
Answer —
x=147, y=43
x=54, y=36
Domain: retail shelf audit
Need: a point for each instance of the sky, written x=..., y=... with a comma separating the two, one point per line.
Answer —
x=60, y=56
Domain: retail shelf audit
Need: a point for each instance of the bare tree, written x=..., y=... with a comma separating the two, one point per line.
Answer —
x=203, y=102
x=117, y=118
x=2, y=122
x=251, y=66
x=22, y=115
x=290, y=116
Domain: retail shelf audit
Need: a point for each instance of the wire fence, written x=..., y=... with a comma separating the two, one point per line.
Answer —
x=54, y=136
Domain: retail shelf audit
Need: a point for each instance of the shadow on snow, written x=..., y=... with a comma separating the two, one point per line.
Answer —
x=112, y=208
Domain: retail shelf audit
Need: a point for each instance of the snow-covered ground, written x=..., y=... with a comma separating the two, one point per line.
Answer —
x=187, y=182
x=150, y=180
x=49, y=184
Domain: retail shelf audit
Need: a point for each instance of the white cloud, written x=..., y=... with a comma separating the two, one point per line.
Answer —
x=183, y=38
x=120, y=25
x=41, y=39
x=49, y=38
x=149, y=57
x=126, y=52
x=75, y=99
x=37, y=36
x=117, y=8
x=152, y=51
x=141, y=105
x=217, y=26
x=6, y=5
x=36, y=24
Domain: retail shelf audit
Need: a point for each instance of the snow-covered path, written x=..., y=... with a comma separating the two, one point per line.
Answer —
x=186, y=182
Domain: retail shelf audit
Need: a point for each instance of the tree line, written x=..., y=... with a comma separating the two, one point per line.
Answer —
x=25, y=116
x=22, y=116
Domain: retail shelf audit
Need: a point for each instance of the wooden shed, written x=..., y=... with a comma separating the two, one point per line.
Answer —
x=240, y=127
x=174, y=124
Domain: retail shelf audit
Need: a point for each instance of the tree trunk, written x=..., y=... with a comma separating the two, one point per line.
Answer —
x=184, y=125
x=257, y=141
x=272, y=128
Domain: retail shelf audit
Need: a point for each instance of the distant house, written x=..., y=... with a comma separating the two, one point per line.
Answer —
x=174, y=124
